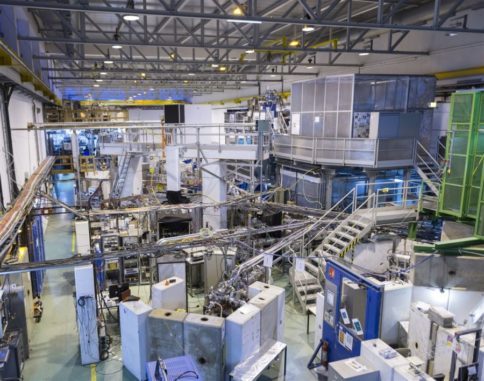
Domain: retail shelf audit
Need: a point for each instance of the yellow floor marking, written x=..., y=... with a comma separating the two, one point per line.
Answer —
x=73, y=243
x=93, y=372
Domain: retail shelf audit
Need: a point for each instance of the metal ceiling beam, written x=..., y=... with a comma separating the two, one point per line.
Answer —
x=225, y=17
x=217, y=46
x=150, y=82
x=185, y=61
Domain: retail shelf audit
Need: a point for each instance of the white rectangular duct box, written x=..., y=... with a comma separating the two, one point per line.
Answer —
x=352, y=369
x=419, y=331
x=267, y=302
x=242, y=335
x=257, y=287
x=169, y=294
x=318, y=321
x=133, y=322
x=409, y=373
x=204, y=338
x=397, y=297
x=83, y=237
x=371, y=351
x=86, y=311
x=165, y=332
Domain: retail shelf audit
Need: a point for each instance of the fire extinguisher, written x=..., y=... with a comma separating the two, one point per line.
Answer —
x=324, y=354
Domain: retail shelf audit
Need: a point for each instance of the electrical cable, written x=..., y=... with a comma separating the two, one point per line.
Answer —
x=187, y=374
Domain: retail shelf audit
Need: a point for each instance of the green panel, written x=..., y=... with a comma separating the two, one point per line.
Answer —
x=459, y=193
x=479, y=228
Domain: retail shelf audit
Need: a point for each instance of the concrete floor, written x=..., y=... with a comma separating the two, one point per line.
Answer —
x=55, y=344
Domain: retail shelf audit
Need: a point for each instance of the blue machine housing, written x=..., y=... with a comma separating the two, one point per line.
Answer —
x=342, y=346
x=37, y=253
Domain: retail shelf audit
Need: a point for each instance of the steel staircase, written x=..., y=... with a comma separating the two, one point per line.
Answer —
x=428, y=168
x=305, y=287
x=347, y=234
x=121, y=176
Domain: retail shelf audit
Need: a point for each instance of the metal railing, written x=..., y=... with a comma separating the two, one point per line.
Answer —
x=346, y=151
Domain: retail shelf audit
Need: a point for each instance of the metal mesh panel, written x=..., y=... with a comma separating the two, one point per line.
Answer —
x=307, y=124
x=319, y=94
x=308, y=96
x=296, y=97
x=462, y=108
x=331, y=100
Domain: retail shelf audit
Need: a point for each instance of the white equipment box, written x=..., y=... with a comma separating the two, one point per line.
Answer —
x=86, y=311
x=133, y=318
x=169, y=294
x=204, y=338
x=242, y=337
x=83, y=238
x=267, y=302
x=165, y=328
x=352, y=369
x=410, y=373
x=258, y=287
x=371, y=351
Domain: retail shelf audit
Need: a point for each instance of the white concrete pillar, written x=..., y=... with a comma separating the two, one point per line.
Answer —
x=214, y=189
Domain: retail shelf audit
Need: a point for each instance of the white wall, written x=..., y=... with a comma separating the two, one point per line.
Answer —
x=26, y=158
x=145, y=114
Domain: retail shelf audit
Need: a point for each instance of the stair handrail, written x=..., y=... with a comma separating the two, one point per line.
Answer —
x=425, y=162
x=330, y=210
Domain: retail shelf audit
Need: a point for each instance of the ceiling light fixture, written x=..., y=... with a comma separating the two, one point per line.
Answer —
x=294, y=43
x=214, y=65
x=108, y=62
x=309, y=67
x=245, y=21
x=131, y=17
x=238, y=11
x=308, y=28
x=364, y=54
x=143, y=74
x=152, y=89
x=117, y=46
x=451, y=34
x=223, y=68
x=99, y=80
x=191, y=74
x=250, y=51
x=103, y=73
x=95, y=85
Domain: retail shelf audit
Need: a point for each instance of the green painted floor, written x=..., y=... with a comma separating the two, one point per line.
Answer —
x=54, y=343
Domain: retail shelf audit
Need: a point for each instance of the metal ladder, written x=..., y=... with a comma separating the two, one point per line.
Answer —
x=121, y=176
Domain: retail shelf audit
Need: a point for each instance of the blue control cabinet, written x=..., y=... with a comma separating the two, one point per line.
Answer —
x=352, y=310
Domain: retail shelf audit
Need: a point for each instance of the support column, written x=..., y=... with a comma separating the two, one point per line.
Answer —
x=214, y=189
x=328, y=175
x=371, y=181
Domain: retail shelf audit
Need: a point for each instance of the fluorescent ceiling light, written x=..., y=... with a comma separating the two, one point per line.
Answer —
x=451, y=34
x=309, y=67
x=99, y=80
x=294, y=43
x=152, y=89
x=244, y=21
x=96, y=85
x=222, y=68
x=214, y=65
x=250, y=51
x=191, y=74
x=103, y=73
x=131, y=17
x=108, y=62
x=273, y=75
x=117, y=46
x=363, y=54
x=308, y=28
